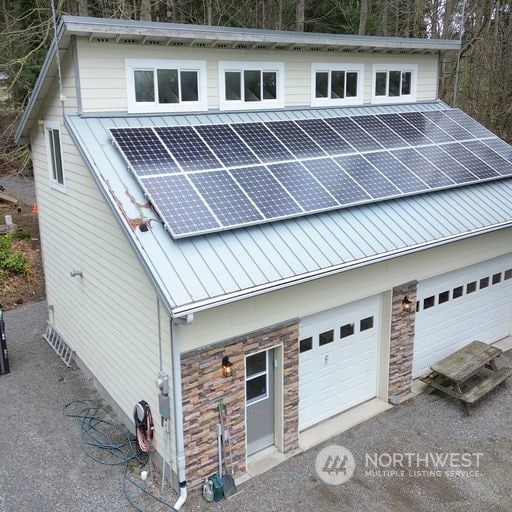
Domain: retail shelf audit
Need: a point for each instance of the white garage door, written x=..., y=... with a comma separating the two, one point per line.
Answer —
x=339, y=354
x=473, y=303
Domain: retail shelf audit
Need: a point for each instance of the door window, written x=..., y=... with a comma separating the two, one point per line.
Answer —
x=256, y=377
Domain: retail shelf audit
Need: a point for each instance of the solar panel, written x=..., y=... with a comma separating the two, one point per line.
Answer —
x=449, y=126
x=498, y=163
x=226, y=145
x=266, y=192
x=262, y=142
x=208, y=178
x=456, y=172
x=469, y=161
x=418, y=164
x=144, y=151
x=380, y=131
x=336, y=181
x=225, y=198
x=468, y=123
x=187, y=148
x=401, y=177
x=301, y=184
x=325, y=136
x=353, y=134
x=367, y=176
x=179, y=205
x=295, y=139
x=502, y=148
x=405, y=129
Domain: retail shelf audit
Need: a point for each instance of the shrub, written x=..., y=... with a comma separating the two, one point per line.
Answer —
x=12, y=261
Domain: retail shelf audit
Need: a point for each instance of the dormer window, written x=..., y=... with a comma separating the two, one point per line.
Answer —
x=166, y=86
x=394, y=83
x=336, y=84
x=251, y=85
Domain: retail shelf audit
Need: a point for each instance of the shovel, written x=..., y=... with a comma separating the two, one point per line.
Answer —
x=228, y=481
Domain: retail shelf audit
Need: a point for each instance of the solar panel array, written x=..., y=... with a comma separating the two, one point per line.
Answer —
x=209, y=178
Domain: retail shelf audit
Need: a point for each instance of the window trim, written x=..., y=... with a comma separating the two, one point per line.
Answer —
x=403, y=98
x=257, y=399
x=329, y=67
x=132, y=65
x=53, y=182
x=239, y=66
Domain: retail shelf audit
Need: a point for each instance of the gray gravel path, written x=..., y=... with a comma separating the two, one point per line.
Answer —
x=42, y=468
x=20, y=186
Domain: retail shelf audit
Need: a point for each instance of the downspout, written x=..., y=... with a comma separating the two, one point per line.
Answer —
x=178, y=415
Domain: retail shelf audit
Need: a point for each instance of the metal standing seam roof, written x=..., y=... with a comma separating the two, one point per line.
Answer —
x=205, y=271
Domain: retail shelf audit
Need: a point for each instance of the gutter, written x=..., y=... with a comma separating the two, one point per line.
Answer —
x=210, y=303
x=178, y=415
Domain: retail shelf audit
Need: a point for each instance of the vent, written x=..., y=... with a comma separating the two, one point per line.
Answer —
x=56, y=341
x=155, y=43
x=102, y=40
x=129, y=41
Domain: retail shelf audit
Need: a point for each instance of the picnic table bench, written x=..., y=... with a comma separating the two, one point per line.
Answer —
x=468, y=374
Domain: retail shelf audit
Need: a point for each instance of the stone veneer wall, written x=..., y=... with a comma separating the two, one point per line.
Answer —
x=402, y=341
x=203, y=386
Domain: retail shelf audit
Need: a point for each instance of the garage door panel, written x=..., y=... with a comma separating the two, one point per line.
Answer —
x=483, y=311
x=342, y=373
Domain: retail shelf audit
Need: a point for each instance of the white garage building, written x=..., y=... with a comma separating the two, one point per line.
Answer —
x=269, y=199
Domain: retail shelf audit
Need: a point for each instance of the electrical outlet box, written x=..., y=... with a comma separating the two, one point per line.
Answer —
x=162, y=383
x=164, y=406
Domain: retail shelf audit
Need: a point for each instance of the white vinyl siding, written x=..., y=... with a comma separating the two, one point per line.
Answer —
x=110, y=316
x=103, y=84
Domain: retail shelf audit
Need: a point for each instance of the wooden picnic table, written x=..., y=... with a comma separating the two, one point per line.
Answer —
x=476, y=363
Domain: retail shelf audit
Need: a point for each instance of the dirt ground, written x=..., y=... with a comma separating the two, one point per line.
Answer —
x=16, y=290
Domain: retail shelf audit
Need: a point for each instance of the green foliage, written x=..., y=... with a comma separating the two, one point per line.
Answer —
x=12, y=261
x=22, y=235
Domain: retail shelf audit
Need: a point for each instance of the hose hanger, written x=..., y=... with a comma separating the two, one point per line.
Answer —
x=143, y=425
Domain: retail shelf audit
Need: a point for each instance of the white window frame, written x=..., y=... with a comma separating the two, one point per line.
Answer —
x=328, y=67
x=403, y=98
x=52, y=174
x=132, y=65
x=237, y=66
x=247, y=378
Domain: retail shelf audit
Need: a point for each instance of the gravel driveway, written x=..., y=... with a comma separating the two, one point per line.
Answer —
x=43, y=468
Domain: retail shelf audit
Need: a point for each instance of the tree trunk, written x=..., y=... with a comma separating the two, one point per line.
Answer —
x=299, y=16
x=363, y=18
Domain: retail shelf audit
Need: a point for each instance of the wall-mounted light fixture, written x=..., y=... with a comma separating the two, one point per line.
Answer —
x=227, y=367
x=406, y=305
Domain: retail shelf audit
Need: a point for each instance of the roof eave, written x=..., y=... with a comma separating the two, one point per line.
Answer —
x=223, y=300
x=42, y=83
x=219, y=35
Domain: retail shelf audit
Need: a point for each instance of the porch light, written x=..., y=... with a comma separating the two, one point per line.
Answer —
x=406, y=305
x=227, y=367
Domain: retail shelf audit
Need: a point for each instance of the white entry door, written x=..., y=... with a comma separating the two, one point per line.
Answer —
x=339, y=353
x=472, y=303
